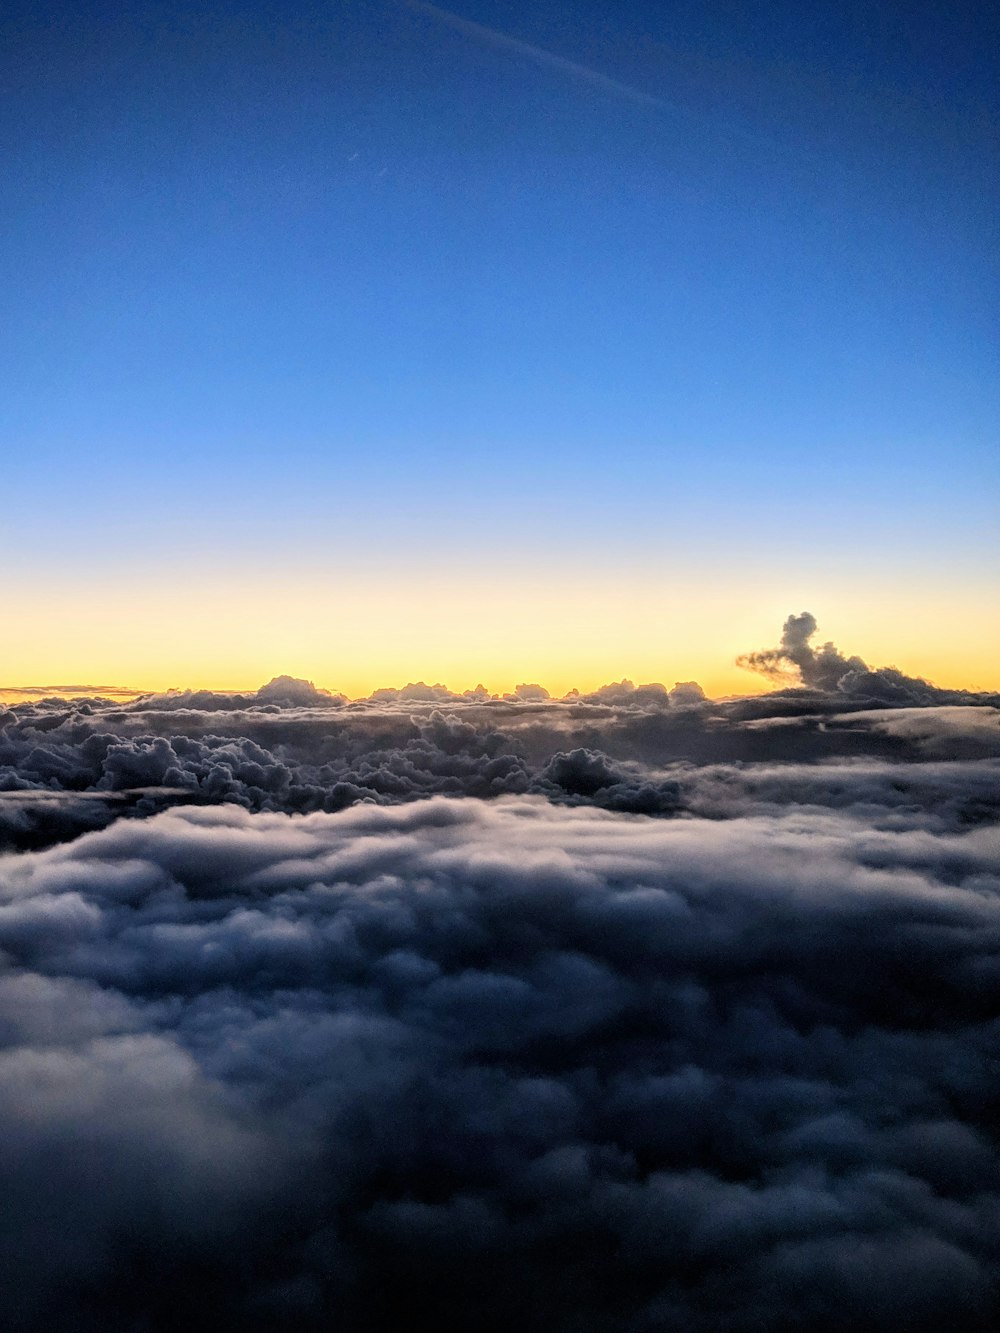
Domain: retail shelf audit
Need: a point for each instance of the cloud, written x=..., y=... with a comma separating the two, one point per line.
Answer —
x=17, y=693
x=827, y=669
x=32, y=818
x=511, y=1063
x=289, y=690
x=417, y=692
x=625, y=692
x=529, y=693
x=624, y=747
x=821, y=668
x=687, y=692
x=943, y=732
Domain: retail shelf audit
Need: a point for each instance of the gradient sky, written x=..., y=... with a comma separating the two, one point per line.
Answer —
x=368, y=341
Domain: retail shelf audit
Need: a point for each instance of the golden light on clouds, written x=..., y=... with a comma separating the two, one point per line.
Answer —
x=357, y=635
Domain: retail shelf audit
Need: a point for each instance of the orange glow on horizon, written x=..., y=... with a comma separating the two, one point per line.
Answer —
x=358, y=637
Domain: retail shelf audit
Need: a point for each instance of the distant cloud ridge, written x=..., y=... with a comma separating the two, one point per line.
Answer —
x=826, y=668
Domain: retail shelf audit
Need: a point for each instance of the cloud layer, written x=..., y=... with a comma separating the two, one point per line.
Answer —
x=502, y=1064
x=70, y=766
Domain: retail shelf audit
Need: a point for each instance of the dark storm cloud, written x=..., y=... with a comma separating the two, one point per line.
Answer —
x=509, y=1064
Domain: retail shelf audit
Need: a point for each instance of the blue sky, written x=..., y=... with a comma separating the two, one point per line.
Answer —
x=347, y=283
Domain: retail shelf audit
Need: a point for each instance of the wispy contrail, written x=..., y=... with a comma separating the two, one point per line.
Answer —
x=491, y=37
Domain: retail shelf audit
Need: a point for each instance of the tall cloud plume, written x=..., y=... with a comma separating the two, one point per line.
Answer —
x=826, y=668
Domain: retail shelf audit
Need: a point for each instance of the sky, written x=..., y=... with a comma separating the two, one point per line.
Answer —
x=375, y=341
x=542, y=346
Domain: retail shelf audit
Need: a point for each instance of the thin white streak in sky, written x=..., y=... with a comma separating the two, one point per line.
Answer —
x=478, y=32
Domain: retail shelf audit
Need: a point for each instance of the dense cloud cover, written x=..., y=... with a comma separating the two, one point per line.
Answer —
x=630, y=1011
x=502, y=1065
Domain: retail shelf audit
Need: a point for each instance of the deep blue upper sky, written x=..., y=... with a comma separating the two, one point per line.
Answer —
x=265, y=264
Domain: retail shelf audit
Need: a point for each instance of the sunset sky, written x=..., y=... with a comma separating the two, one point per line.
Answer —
x=373, y=341
x=637, y=361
